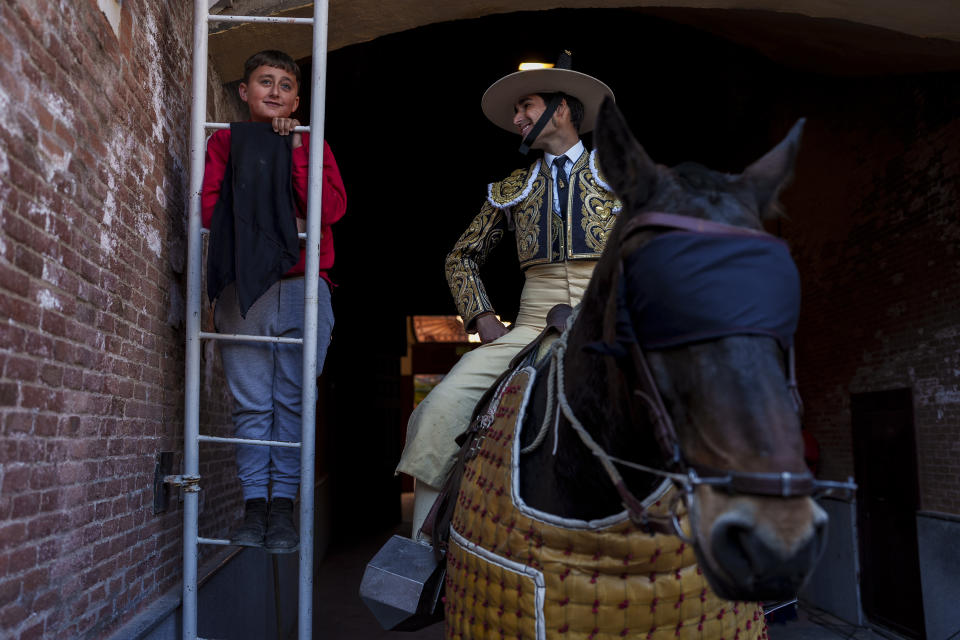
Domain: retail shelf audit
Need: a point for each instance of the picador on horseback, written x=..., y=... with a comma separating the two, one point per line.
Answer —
x=560, y=211
x=636, y=470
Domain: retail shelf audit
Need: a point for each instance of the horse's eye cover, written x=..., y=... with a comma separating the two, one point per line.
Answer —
x=688, y=287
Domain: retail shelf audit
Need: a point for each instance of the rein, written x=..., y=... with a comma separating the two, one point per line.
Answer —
x=685, y=475
x=638, y=513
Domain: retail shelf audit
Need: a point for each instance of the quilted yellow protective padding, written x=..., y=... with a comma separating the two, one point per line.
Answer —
x=511, y=575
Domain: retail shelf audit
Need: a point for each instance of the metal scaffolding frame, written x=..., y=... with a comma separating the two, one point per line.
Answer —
x=190, y=480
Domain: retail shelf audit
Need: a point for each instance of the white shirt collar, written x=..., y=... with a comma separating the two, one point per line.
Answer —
x=573, y=154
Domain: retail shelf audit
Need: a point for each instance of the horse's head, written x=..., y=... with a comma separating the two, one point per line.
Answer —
x=721, y=364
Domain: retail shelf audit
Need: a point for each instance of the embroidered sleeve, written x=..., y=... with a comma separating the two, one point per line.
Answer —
x=468, y=255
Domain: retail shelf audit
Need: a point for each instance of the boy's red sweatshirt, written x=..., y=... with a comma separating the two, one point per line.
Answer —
x=333, y=202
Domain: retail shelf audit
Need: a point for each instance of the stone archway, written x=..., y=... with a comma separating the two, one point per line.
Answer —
x=875, y=36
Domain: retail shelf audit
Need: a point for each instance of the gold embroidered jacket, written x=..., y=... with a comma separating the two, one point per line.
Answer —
x=523, y=203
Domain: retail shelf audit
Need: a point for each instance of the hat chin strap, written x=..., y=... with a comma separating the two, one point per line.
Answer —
x=541, y=123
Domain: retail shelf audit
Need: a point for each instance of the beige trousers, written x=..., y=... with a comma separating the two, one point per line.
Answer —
x=430, y=449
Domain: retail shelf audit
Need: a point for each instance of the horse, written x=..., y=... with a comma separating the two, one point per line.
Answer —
x=673, y=380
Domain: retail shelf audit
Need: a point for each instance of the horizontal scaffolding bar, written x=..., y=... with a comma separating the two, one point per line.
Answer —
x=235, y=337
x=226, y=125
x=224, y=18
x=265, y=443
x=206, y=232
x=217, y=541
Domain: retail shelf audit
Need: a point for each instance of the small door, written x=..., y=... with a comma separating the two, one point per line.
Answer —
x=885, y=460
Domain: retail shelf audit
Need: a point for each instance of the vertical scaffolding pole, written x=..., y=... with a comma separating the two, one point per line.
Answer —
x=191, y=418
x=312, y=267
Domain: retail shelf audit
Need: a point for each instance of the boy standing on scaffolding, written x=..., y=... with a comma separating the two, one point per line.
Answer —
x=254, y=200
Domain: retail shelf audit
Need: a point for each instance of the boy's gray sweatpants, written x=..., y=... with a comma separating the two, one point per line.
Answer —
x=266, y=381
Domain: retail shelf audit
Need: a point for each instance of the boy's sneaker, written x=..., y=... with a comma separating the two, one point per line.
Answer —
x=254, y=527
x=282, y=536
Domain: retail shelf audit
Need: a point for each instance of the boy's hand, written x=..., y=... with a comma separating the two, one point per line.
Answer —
x=284, y=126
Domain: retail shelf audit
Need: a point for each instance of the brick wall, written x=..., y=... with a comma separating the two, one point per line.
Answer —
x=93, y=177
x=874, y=227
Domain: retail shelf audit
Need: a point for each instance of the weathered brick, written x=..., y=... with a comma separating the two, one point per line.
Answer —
x=42, y=476
x=33, y=397
x=26, y=180
x=43, y=525
x=17, y=309
x=22, y=559
x=16, y=479
x=9, y=81
x=51, y=374
x=28, y=261
x=6, y=47
x=49, y=500
x=13, y=280
x=19, y=421
x=34, y=631
x=9, y=591
x=9, y=393
x=25, y=505
x=21, y=369
x=34, y=580
x=53, y=322
x=45, y=425
x=12, y=615
x=48, y=600
x=37, y=344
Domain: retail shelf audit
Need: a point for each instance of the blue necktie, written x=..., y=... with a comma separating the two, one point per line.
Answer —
x=563, y=186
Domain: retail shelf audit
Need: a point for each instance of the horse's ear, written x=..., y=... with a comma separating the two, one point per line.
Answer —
x=770, y=174
x=623, y=162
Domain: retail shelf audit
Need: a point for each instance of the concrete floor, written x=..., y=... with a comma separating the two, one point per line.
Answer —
x=341, y=615
x=814, y=624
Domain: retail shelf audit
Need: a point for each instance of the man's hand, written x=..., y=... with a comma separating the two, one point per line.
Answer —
x=284, y=126
x=489, y=327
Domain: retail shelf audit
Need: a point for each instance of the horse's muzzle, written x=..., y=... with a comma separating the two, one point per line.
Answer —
x=755, y=567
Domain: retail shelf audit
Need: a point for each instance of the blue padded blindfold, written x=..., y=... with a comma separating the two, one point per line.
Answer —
x=688, y=287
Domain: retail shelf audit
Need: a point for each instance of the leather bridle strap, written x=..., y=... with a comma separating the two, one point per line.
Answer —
x=783, y=484
x=780, y=484
x=792, y=380
x=646, y=391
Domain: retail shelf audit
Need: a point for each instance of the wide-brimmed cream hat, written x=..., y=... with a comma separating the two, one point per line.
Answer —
x=499, y=99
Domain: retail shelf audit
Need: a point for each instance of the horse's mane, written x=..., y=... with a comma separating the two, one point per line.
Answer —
x=594, y=382
x=698, y=178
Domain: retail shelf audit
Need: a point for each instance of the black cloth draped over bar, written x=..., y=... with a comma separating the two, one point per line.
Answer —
x=253, y=233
